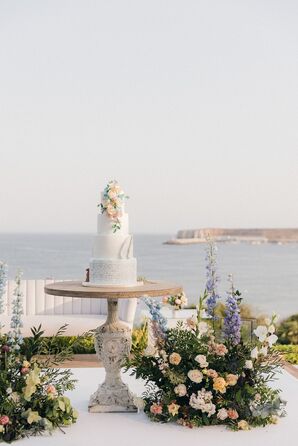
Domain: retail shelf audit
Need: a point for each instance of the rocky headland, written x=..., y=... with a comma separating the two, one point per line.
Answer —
x=251, y=235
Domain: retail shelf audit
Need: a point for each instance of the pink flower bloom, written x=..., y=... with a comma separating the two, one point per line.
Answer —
x=156, y=409
x=51, y=389
x=24, y=370
x=220, y=349
x=233, y=414
x=4, y=420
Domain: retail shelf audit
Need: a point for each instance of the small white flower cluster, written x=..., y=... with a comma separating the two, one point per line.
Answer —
x=266, y=337
x=203, y=401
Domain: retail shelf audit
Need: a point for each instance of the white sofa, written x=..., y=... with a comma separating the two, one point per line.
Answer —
x=54, y=311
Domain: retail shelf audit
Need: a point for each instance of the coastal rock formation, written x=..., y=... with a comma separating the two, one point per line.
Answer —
x=257, y=235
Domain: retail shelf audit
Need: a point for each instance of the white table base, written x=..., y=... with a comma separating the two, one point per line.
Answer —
x=112, y=344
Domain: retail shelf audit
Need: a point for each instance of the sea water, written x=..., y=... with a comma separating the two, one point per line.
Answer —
x=266, y=274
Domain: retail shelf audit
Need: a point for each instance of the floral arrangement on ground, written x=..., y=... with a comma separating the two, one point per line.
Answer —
x=203, y=372
x=32, y=398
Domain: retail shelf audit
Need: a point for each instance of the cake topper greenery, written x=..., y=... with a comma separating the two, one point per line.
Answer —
x=32, y=399
x=205, y=372
x=112, y=203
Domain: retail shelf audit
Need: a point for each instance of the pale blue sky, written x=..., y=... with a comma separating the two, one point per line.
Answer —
x=191, y=105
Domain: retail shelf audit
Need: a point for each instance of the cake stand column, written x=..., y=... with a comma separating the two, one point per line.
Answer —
x=112, y=345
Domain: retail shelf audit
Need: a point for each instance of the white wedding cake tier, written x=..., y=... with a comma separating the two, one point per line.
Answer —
x=112, y=262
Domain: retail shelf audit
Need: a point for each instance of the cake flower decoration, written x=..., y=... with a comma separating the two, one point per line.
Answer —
x=112, y=203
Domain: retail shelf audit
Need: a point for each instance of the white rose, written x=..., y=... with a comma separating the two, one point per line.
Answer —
x=272, y=339
x=195, y=375
x=248, y=364
x=254, y=353
x=180, y=390
x=201, y=359
x=177, y=301
x=222, y=414
x=203, y=327
x=261, y=332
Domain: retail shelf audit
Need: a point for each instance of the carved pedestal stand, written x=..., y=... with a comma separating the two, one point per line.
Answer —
x=112, y=344
x=113, y=338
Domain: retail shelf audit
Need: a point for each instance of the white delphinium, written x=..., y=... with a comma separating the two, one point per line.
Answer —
x=3, y=281
x=15, y=336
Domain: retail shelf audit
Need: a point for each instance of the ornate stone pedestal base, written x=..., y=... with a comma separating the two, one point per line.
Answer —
x=112, y=344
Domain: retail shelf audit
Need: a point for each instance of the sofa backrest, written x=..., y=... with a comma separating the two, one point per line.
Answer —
x=36, y=302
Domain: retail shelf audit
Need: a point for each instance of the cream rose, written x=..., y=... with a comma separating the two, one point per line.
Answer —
x=174, y=358
x=201, y=359
x=195, y=375
x=180, y=390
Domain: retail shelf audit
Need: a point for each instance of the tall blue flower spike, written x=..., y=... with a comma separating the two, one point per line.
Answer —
x=212, y=278
x=232, y=320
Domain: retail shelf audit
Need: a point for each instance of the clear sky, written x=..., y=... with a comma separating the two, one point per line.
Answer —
x=191, y=105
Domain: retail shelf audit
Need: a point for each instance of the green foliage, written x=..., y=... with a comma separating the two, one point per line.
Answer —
x=31, y=390
x=288, y=330
x=289, y=352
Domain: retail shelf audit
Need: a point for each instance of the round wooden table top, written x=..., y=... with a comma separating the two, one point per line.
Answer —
x=148, y=288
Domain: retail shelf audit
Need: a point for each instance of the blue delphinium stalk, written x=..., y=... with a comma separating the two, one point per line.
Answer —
x=3, y=281
x=232, y=320
x=212, y=278
x=159, y=321
x=15, y=336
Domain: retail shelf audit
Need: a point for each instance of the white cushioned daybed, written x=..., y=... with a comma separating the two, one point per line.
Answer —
x=54, y=311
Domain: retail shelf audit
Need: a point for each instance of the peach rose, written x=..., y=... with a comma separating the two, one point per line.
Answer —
x=156, y=409
x=174, y=358
x=24, y=370
x=212, y=373
x=180, y=390
x=220, y=349
x=231, y=379
x=233, y=414
x=51, y=389
x=219, y=384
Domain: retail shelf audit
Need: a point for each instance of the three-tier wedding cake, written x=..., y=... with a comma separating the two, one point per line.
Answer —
x=112, y=262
